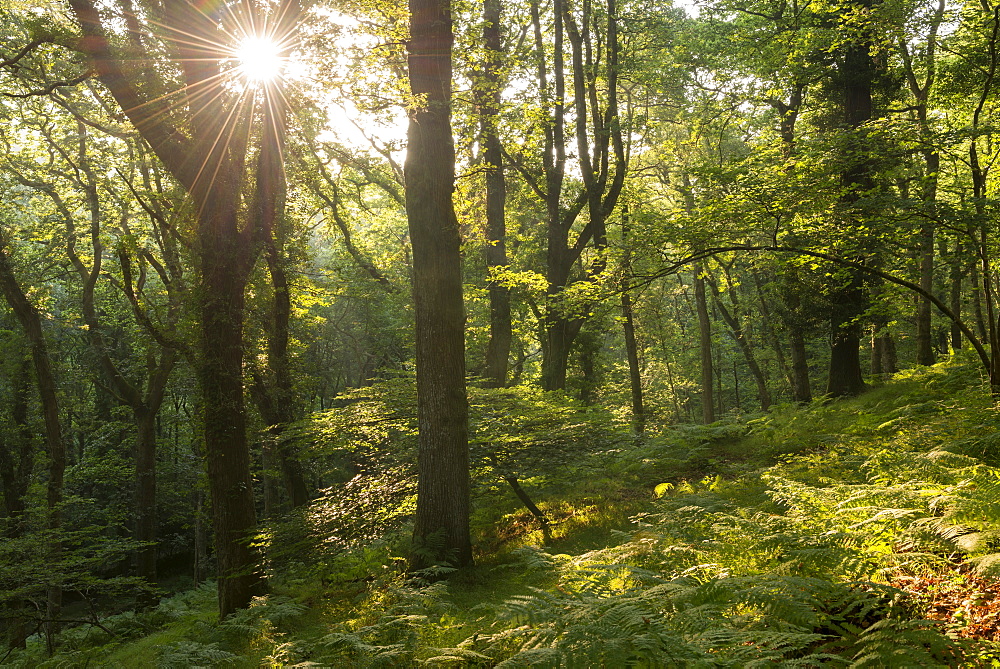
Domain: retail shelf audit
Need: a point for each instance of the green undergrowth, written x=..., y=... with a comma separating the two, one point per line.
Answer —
x=761, y=541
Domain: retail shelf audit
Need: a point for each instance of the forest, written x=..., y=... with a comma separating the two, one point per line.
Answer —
x=499, y=333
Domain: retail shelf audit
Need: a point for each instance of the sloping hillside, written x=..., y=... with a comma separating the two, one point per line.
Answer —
x=857, y=533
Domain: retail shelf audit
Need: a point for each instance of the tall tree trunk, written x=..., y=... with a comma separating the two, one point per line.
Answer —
x=441, y=527
x=977, y=301
x=213, y=172
x=956, y=275
x=876, y=366
x=145, y=496
x=888, y=345
x=600, y=151
x=705, y=346
x=31, y=321
x=925, y=349
x=17, y=460
x=589, y=348
x=845, y=350
x=221, y=379
x=979, y=173
x=16, y=454
x=273, y=390
x=559, y=334
x=145, y=415
x=883, y=357
x=848, y=299
x=801, y=388
x=228, y=251
x=767, y=322
x=932, y=163
x=631, y=345
x=498, y=348
x=799, y=376
x=634, y=371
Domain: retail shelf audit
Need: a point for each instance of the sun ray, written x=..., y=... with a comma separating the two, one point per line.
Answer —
x=259, y=58
x=227, y=124
x=251, y=49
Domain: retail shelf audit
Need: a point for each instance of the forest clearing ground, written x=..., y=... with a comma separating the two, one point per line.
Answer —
x=798, y=518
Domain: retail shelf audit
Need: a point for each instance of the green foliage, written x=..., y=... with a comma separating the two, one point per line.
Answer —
x=184, y=654
x=348, y=531
x=791, y=565
x=528, y=432
x=614, y=615
x=355, y=527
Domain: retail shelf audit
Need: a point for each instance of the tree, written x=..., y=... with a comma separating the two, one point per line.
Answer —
x=704, y=346
x=628, y=329
x=578, y=123
x=489, y=90
x=855, y=79
x=73, y=159
x=272, y=386
x=193, y=132
x=30, y=319
x=441, y=528
x=920, y=91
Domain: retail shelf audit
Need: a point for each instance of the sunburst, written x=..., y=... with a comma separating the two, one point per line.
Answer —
x=260, y=59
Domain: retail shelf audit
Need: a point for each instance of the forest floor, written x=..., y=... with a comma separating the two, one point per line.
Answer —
x=859, y=532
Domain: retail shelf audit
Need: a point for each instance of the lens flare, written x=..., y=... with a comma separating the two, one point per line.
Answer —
x=260, y=59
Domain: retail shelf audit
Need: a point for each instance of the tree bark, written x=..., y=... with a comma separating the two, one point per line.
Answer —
x=274, y=392
x=221, y=379
x=213, y=172
x=848, y=299
x=631, y=345
x=799, y=377
x=441, y=527
x=925, y=349
x=634, y=372
x=17, y=454
x=876, y=366
x=705, y=346
x=31, y=320
x=17, y=460
x=845, y=347
x=600, y=150
x=801, y=386
x=932, y=163
x=767, y=321
x=144, y=405
x=589, y=347
x=498, y=347
x=982, y=230
x=955, y=293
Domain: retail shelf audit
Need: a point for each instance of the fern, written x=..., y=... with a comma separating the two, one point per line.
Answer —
x=455, y=657
x=186, y=654
x=390, y=642
x=879, y=645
